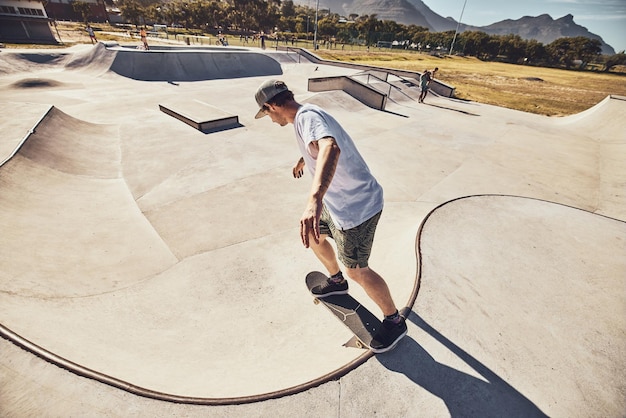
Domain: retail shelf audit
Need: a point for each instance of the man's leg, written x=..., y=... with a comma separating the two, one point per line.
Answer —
x=393, y=325
x=335, y=284
x=326, y=254
x=375, y=287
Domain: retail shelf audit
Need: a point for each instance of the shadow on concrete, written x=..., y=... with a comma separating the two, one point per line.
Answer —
x=463, y=395
x=395, y=113
x=454, y=110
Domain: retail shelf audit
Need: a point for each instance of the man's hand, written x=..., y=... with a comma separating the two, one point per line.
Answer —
x=310, y=223
x=327, y=157
x=298, y=169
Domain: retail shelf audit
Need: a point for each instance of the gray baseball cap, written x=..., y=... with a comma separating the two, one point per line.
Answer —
x=266, y=92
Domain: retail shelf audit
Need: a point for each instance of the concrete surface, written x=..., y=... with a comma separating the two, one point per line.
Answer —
x=165, y=264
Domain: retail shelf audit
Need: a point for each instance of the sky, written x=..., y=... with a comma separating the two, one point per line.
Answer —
x=606, y=18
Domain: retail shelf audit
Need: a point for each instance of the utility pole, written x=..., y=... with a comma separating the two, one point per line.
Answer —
x=315, y=33
x=457, y=27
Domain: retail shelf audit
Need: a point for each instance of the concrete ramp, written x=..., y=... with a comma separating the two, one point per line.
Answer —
x=24, y=62
x=66, y=179
x=200, y=115
x=97, y=59
x=191, y=64
x=605, y=121
x=522, y=284
x=193, y=274
x=605, y=124
x=360, y=91
x=15, y=130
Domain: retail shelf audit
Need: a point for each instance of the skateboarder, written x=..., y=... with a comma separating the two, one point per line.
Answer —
x=91, y=34
x=425, y=80
x=144, y=38
x=344, y=204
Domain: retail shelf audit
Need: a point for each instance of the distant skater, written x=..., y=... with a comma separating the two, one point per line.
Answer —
x=222, y=39
x=425, y=80
x=144, y=38
x=92, y=35
x=344, y=204
x=262, y=37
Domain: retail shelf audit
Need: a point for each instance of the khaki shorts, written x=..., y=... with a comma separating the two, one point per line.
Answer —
x=354, y=245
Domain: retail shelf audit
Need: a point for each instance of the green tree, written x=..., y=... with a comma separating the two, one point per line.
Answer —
x=200, y=14
x=327, y=26
x=613, y=60
x=347, y=33
x=132, y=11
x=154, y=13
x=264, y=15
x=513, y=47
x=82, y=8
x=288, y=10
x=587, y=49
x=474, y=42
x=367, y=27
x=535, y=52
x=565, y=51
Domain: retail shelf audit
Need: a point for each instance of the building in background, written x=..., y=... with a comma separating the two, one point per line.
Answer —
x=25, y=21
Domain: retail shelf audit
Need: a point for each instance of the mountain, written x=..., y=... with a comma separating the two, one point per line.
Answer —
x=544, y=29
x=437, y=23
x=407, y=12
x=402, y=11
x=415, y=12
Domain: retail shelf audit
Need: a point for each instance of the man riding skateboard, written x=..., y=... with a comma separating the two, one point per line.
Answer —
x=345, y=203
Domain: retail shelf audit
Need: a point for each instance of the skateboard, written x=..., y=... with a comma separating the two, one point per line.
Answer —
x=359, y=320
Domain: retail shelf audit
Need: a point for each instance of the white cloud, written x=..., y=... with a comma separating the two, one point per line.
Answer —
x=611, y=17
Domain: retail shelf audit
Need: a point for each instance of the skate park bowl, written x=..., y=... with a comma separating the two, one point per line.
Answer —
x=191, y=65
x=164, y=261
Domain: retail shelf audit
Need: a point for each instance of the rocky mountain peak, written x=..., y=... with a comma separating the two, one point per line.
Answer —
x=542, y=28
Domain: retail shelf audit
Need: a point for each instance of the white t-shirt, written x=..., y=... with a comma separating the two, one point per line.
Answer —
x=354, y=195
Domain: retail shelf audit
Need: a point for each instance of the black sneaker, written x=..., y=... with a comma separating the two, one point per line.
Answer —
x=388, y=336
x=330, y=288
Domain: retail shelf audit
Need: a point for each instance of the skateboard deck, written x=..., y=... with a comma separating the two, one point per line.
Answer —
x=359, y=320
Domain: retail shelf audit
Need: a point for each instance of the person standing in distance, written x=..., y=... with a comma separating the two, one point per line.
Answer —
x=144, y=38
x=345, y=203
x=425, y=80
x=91, y=34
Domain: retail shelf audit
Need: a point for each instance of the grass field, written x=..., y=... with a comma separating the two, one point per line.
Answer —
x=545, y=91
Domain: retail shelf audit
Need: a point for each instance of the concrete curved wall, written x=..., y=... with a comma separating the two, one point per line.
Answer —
x=192, y=65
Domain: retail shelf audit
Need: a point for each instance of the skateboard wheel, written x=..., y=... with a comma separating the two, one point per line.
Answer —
x=359, y=344
x=316, y=301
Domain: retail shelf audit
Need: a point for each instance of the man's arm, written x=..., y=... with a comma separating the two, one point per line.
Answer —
x=327, y=157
